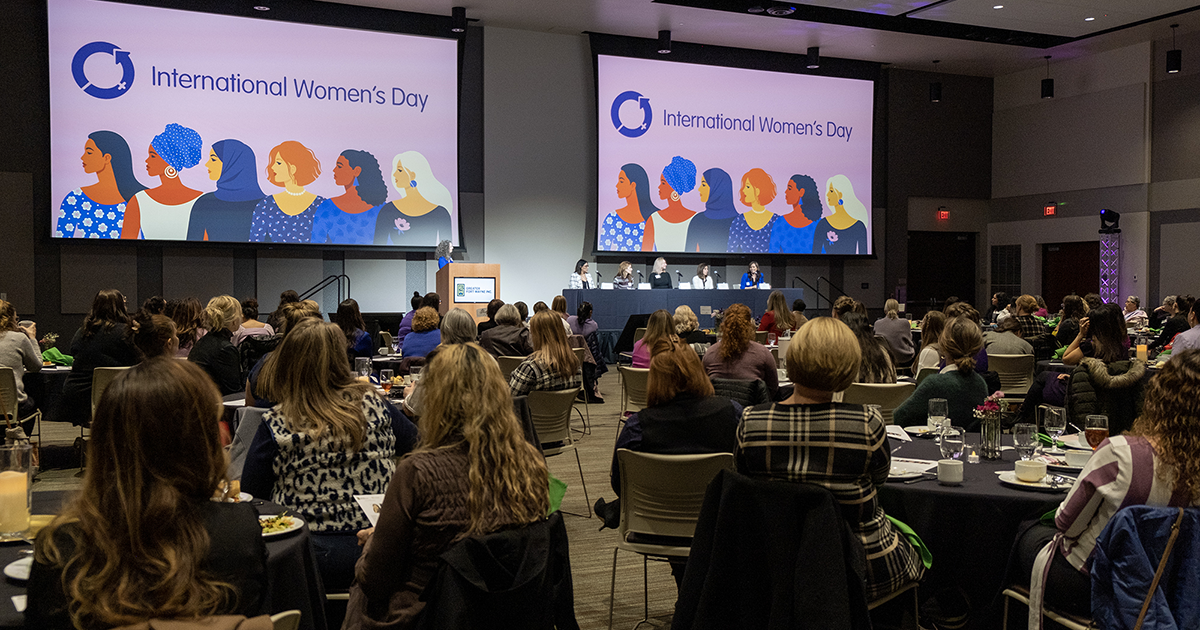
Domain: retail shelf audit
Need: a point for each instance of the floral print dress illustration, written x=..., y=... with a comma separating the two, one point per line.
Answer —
x=84, y=218
x=743, y=238
x=618, y=236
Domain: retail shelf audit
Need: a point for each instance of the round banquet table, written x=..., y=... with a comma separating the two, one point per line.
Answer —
x=293, y=581
x=970, y=528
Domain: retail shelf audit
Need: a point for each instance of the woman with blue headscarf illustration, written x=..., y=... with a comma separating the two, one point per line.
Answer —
x=421, y=216
x=844, y=231
x=350, y=217
x=709, y=231
x=666, y=230
x=287, y=216
x=98, y=211
x=793, y=232
x=622, y=230
x=162, y=213
x=751, y=232
x=224, y=215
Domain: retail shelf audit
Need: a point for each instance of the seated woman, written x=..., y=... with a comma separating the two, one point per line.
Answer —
x=251, y=327
x=19, y=351
x=1006, y=339
x=1107, y=381
x=358, y=340
x=583, y=325
x=659, y=328
x=425, y=335
x=702, y=280
x=687, y=326
x=559, y=306
x=143, y=538
x=1155, y=464
x=659, y=278
x=958, y=382
x=290, y=316
x=624, y=277
x=152, y=335
x=842, y=447
x=778, y=318
x=876, y=365
x=752, y=278
x=1034, y=330
x=553, y=365
x=457, y=327
x=100, y=342
x=798, y=307
x=493, y=307
x=1073, y=309
x=1134, y=315
x=897, y=332
x=737, y=355
x=473, y=473
x=930, y=355
x=329, y=438
x=581, y=279
x=1176, y=324
x=215, y=352
x=510, y=337
x=186, y=315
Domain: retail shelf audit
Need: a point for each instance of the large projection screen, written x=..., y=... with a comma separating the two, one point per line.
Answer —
x=170, y=125
x=711, y=159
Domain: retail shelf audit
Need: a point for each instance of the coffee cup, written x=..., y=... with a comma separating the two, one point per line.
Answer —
x=1078, y=459
x=949, y=472
x=1031, y=470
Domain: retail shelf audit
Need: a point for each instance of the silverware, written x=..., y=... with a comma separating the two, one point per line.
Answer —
x=923, y=477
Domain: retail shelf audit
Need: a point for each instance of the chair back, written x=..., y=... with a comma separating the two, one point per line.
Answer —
x=286, y=620
x=887, y=395
x=924, y=372
x=247, y=421
x=635, y=381
x=760, y=336
x=551, y=411
x=1015, y=371
x=251, y=349
x=781, y=354
x=101, y=378
x=386, y=339
x=8, y=392
x=747, y=392
x=578, y=354
x=661, y=495
x=508, y=364
x=638, y=334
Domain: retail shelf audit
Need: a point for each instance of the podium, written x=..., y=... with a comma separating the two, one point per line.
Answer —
x=468, y=286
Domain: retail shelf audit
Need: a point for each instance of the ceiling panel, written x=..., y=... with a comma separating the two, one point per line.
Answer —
x=878, y=7
x=1067, y=18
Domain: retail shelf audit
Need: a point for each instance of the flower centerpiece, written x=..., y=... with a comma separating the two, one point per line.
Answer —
x=48, y=340
x=990, y=426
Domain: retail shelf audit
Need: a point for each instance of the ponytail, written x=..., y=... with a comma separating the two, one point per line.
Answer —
x=961, y=340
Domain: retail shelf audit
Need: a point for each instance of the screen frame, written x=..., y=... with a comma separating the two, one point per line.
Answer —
x=746, y=59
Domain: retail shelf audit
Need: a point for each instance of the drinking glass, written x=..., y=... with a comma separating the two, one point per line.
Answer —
x=362, y=365
x=1095, y=429
x=385, y=380
x=415, y=371
x=1055, y=424
x=951, y=443
x=770, y=339
x=937, y=413
x=16, y=468
x=1025, y=439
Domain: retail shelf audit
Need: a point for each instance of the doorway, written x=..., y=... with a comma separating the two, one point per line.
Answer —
x=940, y=264
x=1069, y=268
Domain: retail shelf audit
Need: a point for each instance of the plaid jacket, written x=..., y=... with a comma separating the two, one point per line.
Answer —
x=535, y=375
x=843, y=448
x=1031, y=326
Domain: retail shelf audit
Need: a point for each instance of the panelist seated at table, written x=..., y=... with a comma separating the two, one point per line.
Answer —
x=737, y=355
x=702, y=280
x=143, y=539
x=624, y=277
x=553, y=365
x=581, y=279
x=510, y=337
x=752, y=278
x=1156, y=463
x=329, y=437
x=659, y=278
x=958, y=382
x=472, y=473
x=660, y=329
x=19, y=351
x=100, y=342
x=807, y=438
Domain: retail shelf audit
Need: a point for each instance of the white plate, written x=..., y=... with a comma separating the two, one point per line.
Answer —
x=244, y=497
x=1075, y=441
x=910, y=468
x=19, y=570
x=1009, y=478
x=297, y=523
x=919, y=431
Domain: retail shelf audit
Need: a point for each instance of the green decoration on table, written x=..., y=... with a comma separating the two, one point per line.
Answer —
x=558, y=489
x=1058, y=354
x=55, y=356
x=1048, y=517
x=914, y=540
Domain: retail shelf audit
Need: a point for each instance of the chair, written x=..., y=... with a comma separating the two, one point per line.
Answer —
x=508, y=364
x=587, y=417
x=746, y=392
x=633, y=391
x=1016, y=373
x=551, y=411
x=101, y=378
x=661, y=497
x=760, y=336
x=1021, y=594
x=923, y=372
x=286, y=620
x=638, y=334
x=910, y=586
x=8, y=392
x=887, y=395
x=386, y=340
x=781, y=351
x=248, y=419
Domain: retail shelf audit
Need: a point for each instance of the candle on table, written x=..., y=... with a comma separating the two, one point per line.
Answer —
x=14, y=502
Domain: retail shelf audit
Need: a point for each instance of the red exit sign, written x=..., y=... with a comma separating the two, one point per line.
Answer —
x=943, y=215
x=1049, y=209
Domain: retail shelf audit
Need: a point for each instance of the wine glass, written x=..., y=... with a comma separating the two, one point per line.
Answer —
x=385, y=380
x=1095, y=429
x=937, y=413
x=1055, y=424
x=1025, y=439
x=362, y=365
x=951, y=443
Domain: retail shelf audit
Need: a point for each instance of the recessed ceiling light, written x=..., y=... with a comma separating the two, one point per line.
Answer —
x=781, y=10
x=262, y=7
x=998, y=6
x=1089, y=19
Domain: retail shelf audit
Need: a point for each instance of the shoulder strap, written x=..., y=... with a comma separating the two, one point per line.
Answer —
x=1162, y=564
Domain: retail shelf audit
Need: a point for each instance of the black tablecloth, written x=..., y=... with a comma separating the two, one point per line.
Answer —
x=46, y=388
x=611, y=308
x=293, y=579
x=970, y=529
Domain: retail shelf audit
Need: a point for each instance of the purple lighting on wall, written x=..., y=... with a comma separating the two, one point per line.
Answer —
x=1110, y=268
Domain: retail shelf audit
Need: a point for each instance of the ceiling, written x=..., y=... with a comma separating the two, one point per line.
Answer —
x=909, y=34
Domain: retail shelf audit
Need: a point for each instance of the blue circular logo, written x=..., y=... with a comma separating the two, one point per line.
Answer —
x=120, y=57
x=647, y=114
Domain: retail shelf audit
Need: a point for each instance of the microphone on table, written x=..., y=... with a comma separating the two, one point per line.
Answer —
x=640, y=276
x=716, y=273
x=679, y=275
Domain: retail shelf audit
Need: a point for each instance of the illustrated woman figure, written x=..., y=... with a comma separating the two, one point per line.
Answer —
x=666, y=230
x=350, y=217
x=622, y=230
x=225, y=214
x=421, y=216
x=287, y=216
x=98, y=211
x=709, y=232
x=793, y=232
x=751, y=231
x=163, y=212
x=844, y=231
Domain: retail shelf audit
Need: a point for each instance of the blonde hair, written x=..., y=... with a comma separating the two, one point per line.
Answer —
x=657, y=262
x=1027, y=303
x=550, y=344
x=685, y=320
x=961, y=340
x=220, y=312
x=309, y=375
x=468, y=403
x=293, y=313
x=8, y=317
x=824, y=355
x=777, y=304
x=891, y=309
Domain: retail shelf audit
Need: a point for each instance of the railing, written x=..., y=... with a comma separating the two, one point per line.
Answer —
x=320, y=286
x=814, y=290
x=831, y=286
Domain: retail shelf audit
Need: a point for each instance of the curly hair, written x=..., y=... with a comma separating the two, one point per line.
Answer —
x=1171, y=418
x=425, y=319
x=844, y=304
x=370, y=186
x=737, y=331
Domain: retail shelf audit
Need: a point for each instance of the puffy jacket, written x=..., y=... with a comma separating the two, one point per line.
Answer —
x=1114, y=389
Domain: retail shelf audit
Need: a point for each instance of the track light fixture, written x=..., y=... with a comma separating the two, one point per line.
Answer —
x=1047, y=83
x=460, y=19
x=814, y=58
x=935, y=88
x=1174, y=56
x=664, y=42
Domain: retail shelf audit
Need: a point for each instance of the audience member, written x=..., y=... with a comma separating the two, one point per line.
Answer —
x=457, y=327
x=876, y=364
x=100, y=342
x=1162, y=313
x=1006, y=339
x=493, y=307
x=959, y=383
x=425, y=335
x=736, y=355
x=660, y=331
x=930, y=355
x=897, y=332
x=1093, y=300
x=807, y=438
x=214, y=351
x=950, y=301
x=287, y=297
x=963, y=309
x=1189, y=338
x=1134, y=315
x=1031, y=327
x=559, y=306
x=510, y=337
x=778, y=318
x=553, y=365
x=188, y=325
x=330, y=437
x=583, y=325
x=155, y=305
x=358, y=340
x=251, y=327
x=406, y=322
x=999, y=304
x=152, y=335
x=1073, y=309
x=143, y=538
x=523, y=311
x=1041, y=311
x=1107, y=381
x=473, y=473
x=19, y=351
x=289, y=318
x=1177, y=323
x=846, y=304
x=798, y=308
x=687, y=325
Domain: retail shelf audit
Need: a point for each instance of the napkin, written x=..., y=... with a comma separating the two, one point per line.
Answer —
x=898, y=432
x=55, y=356
x=370, y=504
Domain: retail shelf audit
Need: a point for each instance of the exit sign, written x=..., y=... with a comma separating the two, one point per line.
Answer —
x=1049, y=209
x=943, y=215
